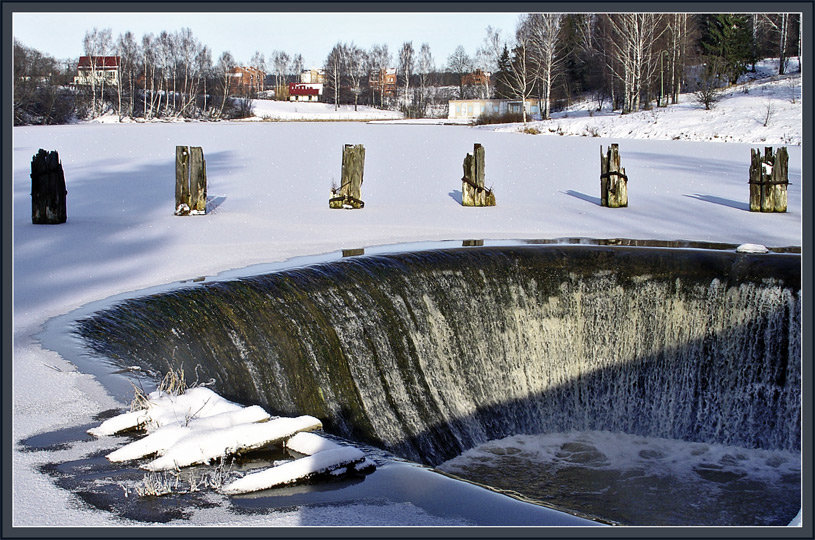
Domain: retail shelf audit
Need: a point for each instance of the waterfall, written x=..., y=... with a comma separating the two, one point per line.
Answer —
x=431, y=353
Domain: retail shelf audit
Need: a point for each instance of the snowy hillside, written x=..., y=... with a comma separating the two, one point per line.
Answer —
x=762, y=109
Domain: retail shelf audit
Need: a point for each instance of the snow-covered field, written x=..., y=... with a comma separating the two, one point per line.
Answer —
x=269, y=187
x=266, y=109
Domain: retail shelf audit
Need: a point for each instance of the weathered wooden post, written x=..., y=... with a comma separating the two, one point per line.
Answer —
x=190, y=181
x=349, y=194
x=48, y=193
x=769, y=180
x=613, y=181
x=473, y=191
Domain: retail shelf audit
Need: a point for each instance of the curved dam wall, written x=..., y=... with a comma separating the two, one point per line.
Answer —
x=428, y=354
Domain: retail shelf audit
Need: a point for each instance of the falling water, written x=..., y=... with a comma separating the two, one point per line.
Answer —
x=432, y=353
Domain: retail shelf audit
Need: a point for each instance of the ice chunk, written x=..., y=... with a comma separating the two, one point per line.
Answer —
x=751, y=248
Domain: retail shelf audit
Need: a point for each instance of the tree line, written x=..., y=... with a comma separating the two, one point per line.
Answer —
x=626, y=61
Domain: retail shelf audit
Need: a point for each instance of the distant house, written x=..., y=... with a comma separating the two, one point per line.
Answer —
x=476, y=78
x=384, y=81
x=246, y=80
x=470, y=109
x=102, y=68
x=305, y=92
x=312, y=76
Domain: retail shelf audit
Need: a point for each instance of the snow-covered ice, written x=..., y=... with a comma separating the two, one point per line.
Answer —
x=269, y=186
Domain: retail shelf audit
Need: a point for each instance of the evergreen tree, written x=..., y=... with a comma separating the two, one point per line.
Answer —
x=502, y=87
x=729, y=37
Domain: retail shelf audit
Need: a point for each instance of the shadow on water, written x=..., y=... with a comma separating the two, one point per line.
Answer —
x=214, y=202
x=739, y=205
x=357, y=344
x=583, y=196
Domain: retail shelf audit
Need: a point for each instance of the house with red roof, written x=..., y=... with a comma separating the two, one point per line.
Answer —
x=101, y=68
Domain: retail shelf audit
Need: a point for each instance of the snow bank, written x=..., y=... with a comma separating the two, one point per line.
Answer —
x=764, y=111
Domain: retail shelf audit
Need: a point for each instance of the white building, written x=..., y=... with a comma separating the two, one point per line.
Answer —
x=470, y=109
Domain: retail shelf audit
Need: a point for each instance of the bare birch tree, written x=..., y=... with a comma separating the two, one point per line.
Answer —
x=460, y=63
x=297, y=64
x=520, y=79
x=544, y=37
x=407, y=64
x=356, y=66
x=379, y=59
x=425, y=67
x=633, y=39
x=489, y=54
x=96, y=44
x=280, y=64
x=128, y=51
x=334, y=67
x=223, y=69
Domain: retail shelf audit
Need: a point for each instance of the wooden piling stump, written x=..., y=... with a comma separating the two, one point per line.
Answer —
x=473, y=190
x=349, y=194
x=613, y=180
x=769, y=178
x=198, y=181
x=48, y=193
x=190, y=181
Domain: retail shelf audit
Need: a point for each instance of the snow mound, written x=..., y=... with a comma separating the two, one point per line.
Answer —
x=168, y=409
x=162, y=439
x=199, y=426
x=323, y=457
x=203, y=446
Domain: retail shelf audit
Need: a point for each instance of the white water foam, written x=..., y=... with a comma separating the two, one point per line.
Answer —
x=637, y=480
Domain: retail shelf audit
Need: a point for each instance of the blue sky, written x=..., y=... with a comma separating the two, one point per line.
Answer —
x=310, y=34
